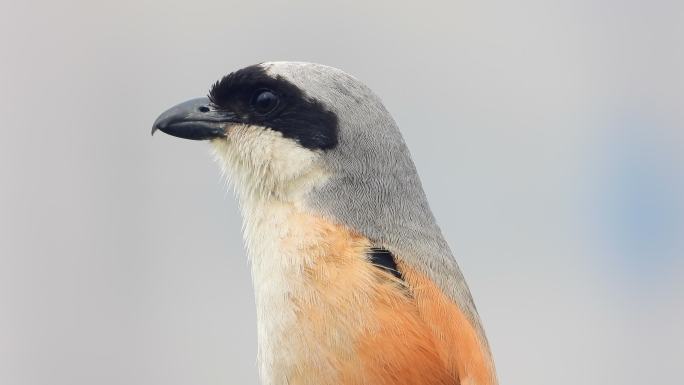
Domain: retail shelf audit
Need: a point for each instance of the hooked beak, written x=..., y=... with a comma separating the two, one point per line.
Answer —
x=195, y=119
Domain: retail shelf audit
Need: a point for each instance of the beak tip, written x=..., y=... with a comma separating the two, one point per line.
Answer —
x=158, y=124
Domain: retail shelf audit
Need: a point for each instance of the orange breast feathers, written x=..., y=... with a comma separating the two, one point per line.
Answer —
x=377, y=329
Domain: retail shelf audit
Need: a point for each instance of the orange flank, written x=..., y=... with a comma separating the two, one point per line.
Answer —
x=457, y=341
x=361, y=325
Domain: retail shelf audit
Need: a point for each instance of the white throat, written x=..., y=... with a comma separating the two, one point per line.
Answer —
x=271, y=176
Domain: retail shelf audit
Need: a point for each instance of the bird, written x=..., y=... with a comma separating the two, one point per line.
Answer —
x=354, y=282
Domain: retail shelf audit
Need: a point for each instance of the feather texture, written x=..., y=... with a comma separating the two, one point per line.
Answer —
x=327, y=314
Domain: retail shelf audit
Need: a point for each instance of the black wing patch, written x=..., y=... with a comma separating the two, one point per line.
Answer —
x=384, y=259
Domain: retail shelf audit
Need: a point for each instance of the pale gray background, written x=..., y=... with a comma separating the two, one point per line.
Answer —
x=549, y=136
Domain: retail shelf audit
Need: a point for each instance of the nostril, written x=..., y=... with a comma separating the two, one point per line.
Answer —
x=203, y=109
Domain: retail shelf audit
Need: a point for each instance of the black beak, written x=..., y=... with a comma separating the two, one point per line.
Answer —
x=195, y=119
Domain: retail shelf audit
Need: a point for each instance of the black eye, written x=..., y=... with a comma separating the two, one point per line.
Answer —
x=265, y=101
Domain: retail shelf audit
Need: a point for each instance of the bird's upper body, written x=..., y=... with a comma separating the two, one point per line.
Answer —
x=354, y=282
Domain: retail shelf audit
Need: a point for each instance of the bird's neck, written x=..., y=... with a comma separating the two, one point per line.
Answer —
x=286, y=246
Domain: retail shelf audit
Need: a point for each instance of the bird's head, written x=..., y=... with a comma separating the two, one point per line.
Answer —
x=313, y=135
x=283, y=128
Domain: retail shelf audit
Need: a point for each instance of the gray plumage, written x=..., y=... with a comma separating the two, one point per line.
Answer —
x=375, y=188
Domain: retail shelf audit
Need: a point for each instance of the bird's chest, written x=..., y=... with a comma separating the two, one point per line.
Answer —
x=326, y=315
x=308, y=276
